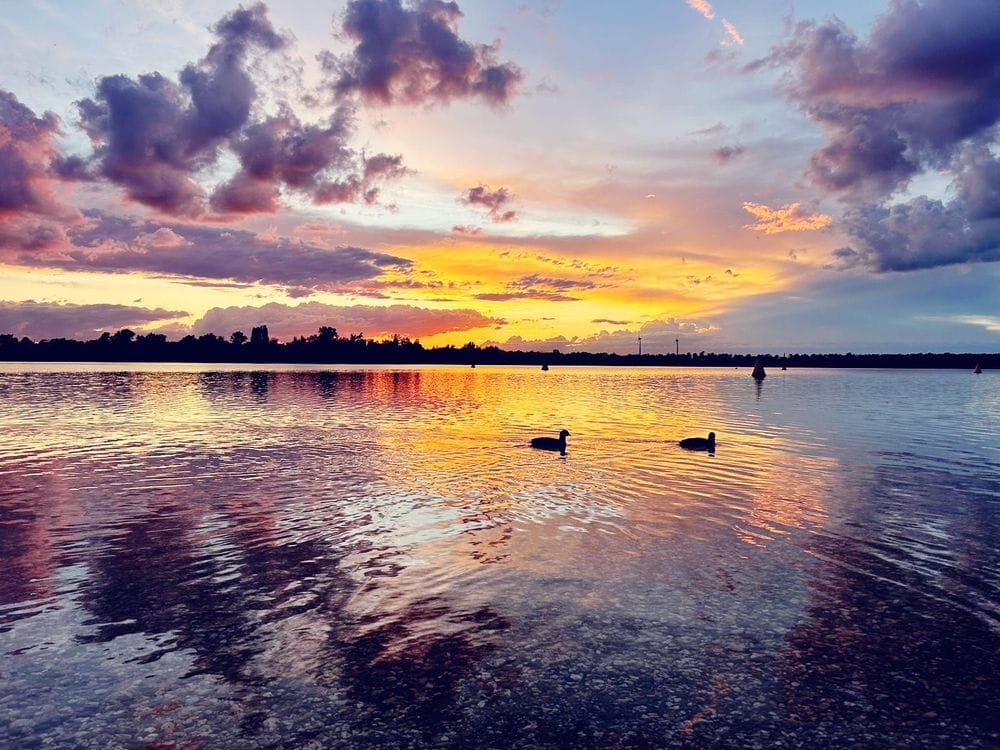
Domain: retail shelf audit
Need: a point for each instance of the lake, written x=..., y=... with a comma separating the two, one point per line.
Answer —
x=310, y=557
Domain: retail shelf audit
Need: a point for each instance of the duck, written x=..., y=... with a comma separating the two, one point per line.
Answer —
x=699, y=443
x=550, y=443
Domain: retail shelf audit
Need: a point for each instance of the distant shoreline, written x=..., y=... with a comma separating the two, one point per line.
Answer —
x=623, y=365
x=327, y=348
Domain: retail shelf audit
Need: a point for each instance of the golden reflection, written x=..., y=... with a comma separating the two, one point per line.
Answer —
x=413, y=481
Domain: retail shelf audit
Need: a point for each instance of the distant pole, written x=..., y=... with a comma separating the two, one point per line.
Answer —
x=677, y=345
x=640, y=346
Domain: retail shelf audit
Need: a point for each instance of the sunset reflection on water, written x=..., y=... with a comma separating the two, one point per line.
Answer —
x=376, y=557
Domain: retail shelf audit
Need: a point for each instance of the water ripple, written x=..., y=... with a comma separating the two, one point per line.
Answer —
x=377, y=554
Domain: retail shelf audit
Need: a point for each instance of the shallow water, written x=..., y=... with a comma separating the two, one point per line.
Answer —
x=205, y=556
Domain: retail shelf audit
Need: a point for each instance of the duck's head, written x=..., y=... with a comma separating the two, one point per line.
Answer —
x=711, y=437
x=564, y=433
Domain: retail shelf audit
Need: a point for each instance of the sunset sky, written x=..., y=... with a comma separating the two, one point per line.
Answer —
x=795, y=176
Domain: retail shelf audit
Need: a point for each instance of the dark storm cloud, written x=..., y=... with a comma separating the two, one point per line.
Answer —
x=120, y=246
x=921, y=93
x=493, y=201
x=412, y=54
x=151, y=135
x=38, y=320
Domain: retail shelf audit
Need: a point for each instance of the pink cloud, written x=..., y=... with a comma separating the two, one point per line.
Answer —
x=31, y=217
x=286, y=321
x=732, y=35
x=494, y=201
x=703, y=7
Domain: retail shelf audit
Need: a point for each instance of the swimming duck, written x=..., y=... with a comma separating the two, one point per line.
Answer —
x=551, y=444
x=699, y=443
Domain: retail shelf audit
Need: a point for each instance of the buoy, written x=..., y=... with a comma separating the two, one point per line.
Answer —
x=978, y=370
x=545, y=367
x=758, y=370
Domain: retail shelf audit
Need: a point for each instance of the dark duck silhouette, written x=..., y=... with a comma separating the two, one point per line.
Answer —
x=550, y=443
x=699, y=443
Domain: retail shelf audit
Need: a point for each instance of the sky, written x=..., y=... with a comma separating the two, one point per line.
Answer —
x=734, y=176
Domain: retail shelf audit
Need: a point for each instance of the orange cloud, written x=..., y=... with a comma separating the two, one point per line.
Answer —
x=790, y=218
x=703, y=7
x=734, y=35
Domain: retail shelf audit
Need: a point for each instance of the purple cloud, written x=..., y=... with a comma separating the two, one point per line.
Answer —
x=314, y=160
x=286, y=321
x=532, y=294
x=151, y=135
x=534, y=281
x=31, y=218
x=27, y=151
x=921, y=233
x=920, y=94
x=49, y=320
x=493, y=201
x=412, y=54
x=116, y=245
x=538, y=287
x=155, y=136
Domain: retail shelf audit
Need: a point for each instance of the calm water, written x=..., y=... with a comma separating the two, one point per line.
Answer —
x=199, y=556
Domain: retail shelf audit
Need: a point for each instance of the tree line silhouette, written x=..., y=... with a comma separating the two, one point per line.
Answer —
x=326, y=346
